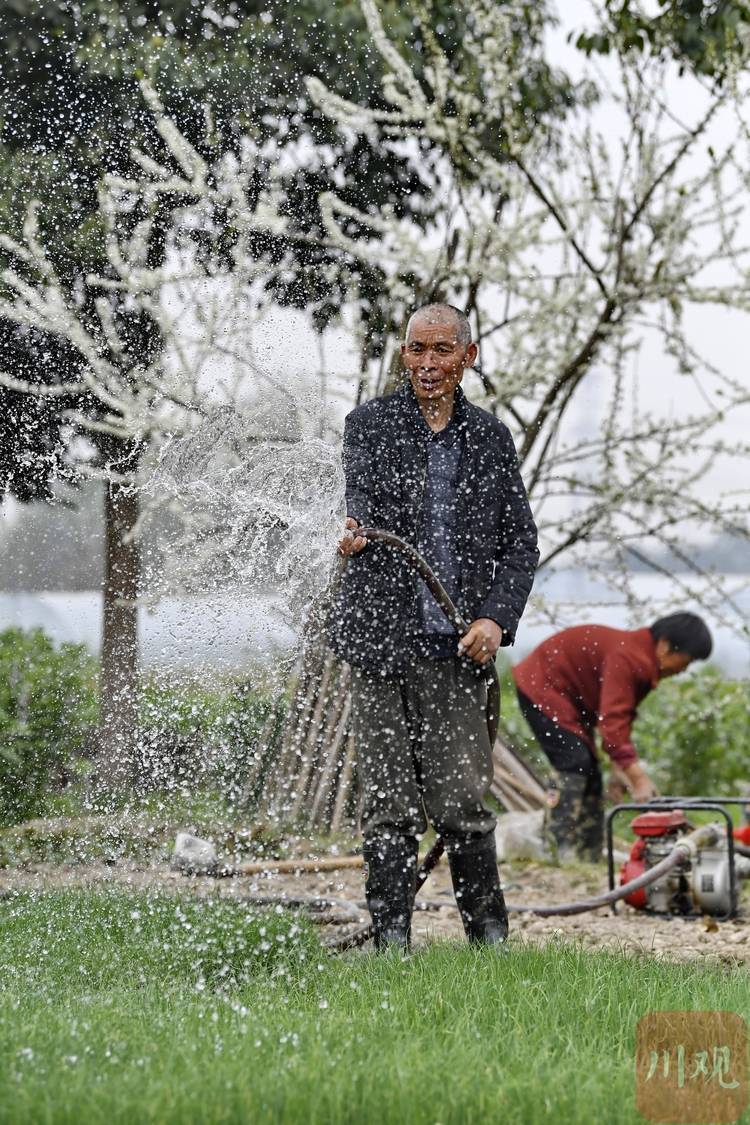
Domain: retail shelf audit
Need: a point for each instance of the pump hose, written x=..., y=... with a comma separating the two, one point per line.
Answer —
x=677, y=855
x=443, y=598
x=703, y=836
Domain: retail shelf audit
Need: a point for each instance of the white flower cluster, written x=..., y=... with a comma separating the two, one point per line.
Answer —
x=143, y=398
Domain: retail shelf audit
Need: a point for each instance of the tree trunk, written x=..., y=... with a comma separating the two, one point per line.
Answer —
x=118, y=728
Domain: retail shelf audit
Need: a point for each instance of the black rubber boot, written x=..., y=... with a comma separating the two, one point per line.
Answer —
x=592, y=825
x=476, y=884
x=565, y=817
x=391, y=870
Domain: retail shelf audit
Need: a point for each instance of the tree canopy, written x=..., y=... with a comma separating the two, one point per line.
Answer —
x=707, y=38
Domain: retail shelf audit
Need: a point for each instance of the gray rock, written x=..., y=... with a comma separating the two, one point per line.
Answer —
x=193, y=855
x=519, y=835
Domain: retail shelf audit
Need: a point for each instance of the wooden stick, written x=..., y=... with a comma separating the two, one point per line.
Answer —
x=309, y=751
x=325, y=863
x=507, y=776
x=254, y=774
x=322, y=801
x=344, y=784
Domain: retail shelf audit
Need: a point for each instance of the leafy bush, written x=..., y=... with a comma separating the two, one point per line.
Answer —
x=47, y=712
x=694, y=733
x=191, y=734
x=195, y=735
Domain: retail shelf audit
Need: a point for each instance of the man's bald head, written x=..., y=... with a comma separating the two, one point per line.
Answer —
x=436, y=352
x=440, y=313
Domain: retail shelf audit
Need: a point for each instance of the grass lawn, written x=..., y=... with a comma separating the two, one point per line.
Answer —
x=124, y=1008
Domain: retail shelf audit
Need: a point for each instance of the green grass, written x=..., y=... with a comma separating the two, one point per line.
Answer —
x=122, y=1009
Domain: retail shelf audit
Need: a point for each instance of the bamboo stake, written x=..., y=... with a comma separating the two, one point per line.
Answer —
x=305, y=697
x=295, y=763
x=264, y=748
x=334, y=735
x=309, y=748
x=280, y=866
x=510, y=779
x=329, y=701
x=344, y=784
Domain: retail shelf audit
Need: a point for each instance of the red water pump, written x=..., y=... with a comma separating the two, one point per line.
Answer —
x=700, y=884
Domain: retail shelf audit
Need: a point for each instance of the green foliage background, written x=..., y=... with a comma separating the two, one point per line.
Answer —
x=210, y=735
x=47, y=713
x=191, y=734
x=705, y=36
x=693, y=732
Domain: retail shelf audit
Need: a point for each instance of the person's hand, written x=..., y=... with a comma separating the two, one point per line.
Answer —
x=349, y=543
x=641, y=786
x=482, y=640
x=617, y=787
x=644, y=791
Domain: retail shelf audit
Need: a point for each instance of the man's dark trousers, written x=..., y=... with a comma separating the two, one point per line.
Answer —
x=426, y=756
x=425, y=751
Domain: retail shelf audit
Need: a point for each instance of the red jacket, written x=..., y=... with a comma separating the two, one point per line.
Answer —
x=592, y=676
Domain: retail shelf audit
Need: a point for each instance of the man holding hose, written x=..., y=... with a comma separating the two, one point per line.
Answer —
x=442, y=474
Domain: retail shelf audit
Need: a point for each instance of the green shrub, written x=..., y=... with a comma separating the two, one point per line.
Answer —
x=47, y=712
x=193, y=734
x=694, y=733
x=206, y=735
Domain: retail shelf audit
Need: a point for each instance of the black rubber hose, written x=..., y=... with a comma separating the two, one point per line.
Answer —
x=677, y=855
x=433, y=583
x=444, y=600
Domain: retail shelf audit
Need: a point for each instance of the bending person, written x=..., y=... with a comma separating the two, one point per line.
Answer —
x=593, y=677
x=439, y=472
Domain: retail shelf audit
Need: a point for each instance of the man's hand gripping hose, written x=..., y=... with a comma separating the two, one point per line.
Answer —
x=442, y=597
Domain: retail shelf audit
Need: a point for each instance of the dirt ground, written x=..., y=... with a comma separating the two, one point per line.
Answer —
x=525, y=884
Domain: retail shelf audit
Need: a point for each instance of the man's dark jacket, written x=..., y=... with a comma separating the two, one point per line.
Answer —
x=375, y=612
